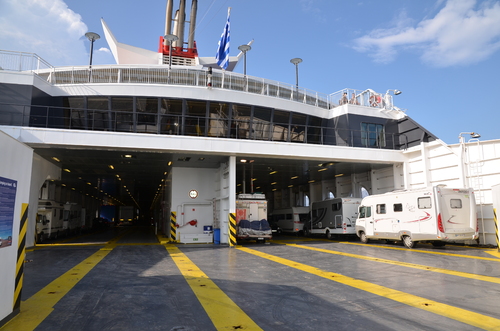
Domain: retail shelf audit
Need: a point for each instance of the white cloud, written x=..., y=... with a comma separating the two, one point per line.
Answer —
x=46, y=27
x=462, y=32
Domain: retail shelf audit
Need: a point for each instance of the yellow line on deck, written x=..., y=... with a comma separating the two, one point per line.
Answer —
x=456, y=313
x=494, y=253
x=34, y=310
x=422, y=251
x=223, y=312
x=405, y=264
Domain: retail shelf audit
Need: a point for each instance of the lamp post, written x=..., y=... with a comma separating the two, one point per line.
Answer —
x=92, y=36
x=170, y=38
x=244, y=49
x=296, y=62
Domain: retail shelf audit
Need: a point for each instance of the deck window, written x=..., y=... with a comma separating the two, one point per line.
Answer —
x=372, y=135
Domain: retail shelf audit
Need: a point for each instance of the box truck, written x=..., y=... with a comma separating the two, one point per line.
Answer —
x=436, y=214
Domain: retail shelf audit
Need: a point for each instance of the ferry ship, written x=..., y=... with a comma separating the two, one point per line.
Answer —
x=178, y=138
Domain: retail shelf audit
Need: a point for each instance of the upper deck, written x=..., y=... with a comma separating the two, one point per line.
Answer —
x=193, y=76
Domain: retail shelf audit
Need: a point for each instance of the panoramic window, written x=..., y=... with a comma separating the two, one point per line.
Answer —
x=372, y=135
x=424, y=203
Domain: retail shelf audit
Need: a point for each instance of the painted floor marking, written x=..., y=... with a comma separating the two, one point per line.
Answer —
x=35, y=309
x=223, y=312
x=405, y=264
x=462, y=315
x=422, y=251
x=495, y=253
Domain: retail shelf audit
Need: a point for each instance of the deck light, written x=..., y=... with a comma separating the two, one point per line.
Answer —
x=244, y=49
x=296, y=62
x=92, y=36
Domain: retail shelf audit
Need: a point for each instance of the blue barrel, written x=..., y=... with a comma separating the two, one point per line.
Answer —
x=217, y=236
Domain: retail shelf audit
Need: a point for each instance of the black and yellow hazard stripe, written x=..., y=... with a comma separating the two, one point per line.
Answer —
x=173, y=226
x=232, y=229
x=496, y=228
x=21, y=253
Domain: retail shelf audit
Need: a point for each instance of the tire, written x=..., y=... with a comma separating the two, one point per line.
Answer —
x=408, y=242
x=306, y=232
x=438, y=243
x=363, y=238
x=328, y=235
x=41, y=238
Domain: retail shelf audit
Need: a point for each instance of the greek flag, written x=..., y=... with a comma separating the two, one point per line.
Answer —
x=222, y=55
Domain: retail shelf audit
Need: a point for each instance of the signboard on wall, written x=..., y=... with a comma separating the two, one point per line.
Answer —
x=8, y=188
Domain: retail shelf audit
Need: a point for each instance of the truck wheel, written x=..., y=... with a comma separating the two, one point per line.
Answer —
x=438, y=243
x=328, y=235
x=363, y=238
x=306, y=232
x=408, y=242
x=41, y=238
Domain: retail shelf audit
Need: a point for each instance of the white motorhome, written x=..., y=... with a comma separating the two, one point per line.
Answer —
x=49, y=223
x=436, y=214
x=333, y=216
x=290, y=219
x=73, y=222
x=251, y=217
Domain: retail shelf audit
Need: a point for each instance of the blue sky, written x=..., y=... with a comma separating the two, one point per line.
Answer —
x=444, y=55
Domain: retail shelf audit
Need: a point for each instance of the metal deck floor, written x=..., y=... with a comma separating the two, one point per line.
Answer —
x=123, y=279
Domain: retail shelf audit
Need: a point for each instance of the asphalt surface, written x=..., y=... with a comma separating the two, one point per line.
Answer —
x=124, y=279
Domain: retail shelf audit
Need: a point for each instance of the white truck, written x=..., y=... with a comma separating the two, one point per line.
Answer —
x=251, y=218
x=333, y=216
x=436, y=214
x=49, y=221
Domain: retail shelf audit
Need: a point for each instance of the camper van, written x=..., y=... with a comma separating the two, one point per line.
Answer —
x=73, y=218
x=333, y=216
x=290, y=219
x=251, y=218
x=436, y=214
x=49, y=220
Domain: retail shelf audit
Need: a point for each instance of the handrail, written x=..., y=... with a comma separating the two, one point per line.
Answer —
x=188, y=76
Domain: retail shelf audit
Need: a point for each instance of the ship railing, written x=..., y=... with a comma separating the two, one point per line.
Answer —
x=186, y=77
x=21, y=61
x=215, y=126
x=366, y=98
